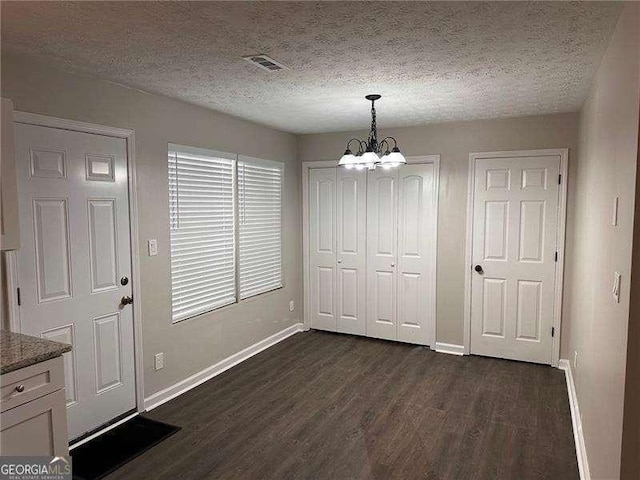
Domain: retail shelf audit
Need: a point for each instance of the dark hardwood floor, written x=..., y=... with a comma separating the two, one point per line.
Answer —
x=329, y=406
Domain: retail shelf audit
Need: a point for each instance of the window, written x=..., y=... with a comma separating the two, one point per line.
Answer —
x=225, y=221
x=260, y=211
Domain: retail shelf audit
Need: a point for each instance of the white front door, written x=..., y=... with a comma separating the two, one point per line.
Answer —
x=75, y=264
x=515, y=224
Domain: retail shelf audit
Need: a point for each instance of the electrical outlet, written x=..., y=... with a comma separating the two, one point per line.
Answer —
x=575, y=360
x=291, y=306
x=153, y=247
x=159, y=361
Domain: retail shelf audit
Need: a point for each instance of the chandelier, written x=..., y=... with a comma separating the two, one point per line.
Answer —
x=372, y=153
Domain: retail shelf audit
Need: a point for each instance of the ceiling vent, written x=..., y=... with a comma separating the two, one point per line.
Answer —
x=264, y=62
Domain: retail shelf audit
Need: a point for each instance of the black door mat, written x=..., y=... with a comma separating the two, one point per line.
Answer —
x=111, y=450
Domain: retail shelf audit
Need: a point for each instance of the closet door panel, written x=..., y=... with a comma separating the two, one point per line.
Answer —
x=416, y=246
x=351, y=250
x=382, y=230
x=322, y=248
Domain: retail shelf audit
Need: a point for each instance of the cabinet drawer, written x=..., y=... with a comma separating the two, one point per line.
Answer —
x=29, y=383
x=36, y=428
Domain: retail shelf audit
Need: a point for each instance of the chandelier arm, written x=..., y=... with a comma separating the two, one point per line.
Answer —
x=354, y=140
x=395, y=143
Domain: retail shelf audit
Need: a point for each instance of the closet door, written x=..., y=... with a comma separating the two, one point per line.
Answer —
x=351, y=247
x=382, y=229
x=416, y=247
x=322, y=248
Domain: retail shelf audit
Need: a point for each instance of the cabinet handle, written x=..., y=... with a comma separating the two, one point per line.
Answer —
x=339, y=261
x=393, y=264
x=20, y=388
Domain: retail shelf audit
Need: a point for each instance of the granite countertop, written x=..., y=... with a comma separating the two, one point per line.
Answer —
x=19, y=351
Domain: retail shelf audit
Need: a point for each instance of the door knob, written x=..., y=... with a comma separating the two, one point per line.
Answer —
x=126, y=300
x=20, y=388
x=478, y=268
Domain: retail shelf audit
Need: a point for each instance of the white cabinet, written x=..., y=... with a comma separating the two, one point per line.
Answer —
x=9, y=223
x=34, y=417
x=372, y=250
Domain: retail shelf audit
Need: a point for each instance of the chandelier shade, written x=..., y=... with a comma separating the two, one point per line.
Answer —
x=372, y=153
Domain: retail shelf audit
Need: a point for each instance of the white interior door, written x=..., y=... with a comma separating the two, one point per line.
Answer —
x=351, y=250
x=74, y=219
x=322, y=248
x=382, y=242
x=417, y=204
x=515, y=221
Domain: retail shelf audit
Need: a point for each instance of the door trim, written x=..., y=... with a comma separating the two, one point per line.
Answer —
x=563, y=153
x=129, y=137
x=306, y=166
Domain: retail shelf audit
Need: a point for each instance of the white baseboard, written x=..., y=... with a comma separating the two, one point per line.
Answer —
x=202, y=376
x=581, y=449
x=449, y=348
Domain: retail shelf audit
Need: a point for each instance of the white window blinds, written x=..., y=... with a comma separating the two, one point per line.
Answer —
x=260, y=225
x=201, y=208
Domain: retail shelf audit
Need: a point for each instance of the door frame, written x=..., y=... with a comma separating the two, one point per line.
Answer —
x=129, y=137
x=563, y=153
x=306, y=166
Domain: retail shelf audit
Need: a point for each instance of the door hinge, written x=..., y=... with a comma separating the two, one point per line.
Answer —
x=560, y=179
x=553, y=331
x=18, y=296
x=556, y=257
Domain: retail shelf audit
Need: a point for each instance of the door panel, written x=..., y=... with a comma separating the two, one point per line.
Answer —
x=417, y=205
x=65, y=334
x=382, y=235
x=515, y=216
x=322, y=248
x=51, y=230
x=103, y=244
x=74, y=214
x=351, y=248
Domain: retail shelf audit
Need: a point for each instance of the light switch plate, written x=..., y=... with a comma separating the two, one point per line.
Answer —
x=291, y=306
x=153, y=247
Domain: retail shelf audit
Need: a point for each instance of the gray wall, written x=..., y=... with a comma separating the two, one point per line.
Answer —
x=607, y=168
x=191, y=345
x=453, y=142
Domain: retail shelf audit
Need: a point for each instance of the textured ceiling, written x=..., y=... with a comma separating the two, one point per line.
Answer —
x=431, y=61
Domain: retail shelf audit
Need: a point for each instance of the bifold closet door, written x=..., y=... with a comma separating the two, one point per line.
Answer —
x=337, y=244
x=382, y=241
x=401, y=240
x=417, y=207
x=322, y=248
x=351, y=242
